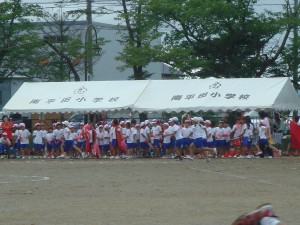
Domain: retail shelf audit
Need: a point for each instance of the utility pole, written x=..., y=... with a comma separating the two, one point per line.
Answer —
x=296, y=47
x=88, y=47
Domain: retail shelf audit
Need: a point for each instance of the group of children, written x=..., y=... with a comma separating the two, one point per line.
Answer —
x=191, y=138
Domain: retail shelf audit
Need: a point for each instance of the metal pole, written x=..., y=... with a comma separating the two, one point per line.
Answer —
x=88, y=36
x=295, y=48
x=88, y=50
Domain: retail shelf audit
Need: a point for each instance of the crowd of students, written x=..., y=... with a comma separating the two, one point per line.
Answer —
x=186, y=139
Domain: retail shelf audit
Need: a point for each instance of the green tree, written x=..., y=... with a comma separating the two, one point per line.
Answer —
x=140, y=32
x=222, y=38
x=17, y=43
x=64, y=52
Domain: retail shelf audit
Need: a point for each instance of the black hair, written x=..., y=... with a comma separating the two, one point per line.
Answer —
x=133, y=121
x=3, y=117
x=115, y=121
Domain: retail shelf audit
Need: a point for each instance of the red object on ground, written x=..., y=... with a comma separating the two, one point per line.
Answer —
x=295, y=135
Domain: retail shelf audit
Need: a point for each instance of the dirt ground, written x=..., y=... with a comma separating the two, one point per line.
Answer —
x=146, y=191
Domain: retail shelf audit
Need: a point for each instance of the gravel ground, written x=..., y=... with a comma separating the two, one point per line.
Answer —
x=146, y=191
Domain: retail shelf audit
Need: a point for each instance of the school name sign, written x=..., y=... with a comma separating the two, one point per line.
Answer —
x=156, y=96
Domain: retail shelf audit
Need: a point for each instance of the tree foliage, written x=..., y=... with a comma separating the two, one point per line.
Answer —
x=65, y=51
x=222, y=38
x=138, y=39
x=17, y=42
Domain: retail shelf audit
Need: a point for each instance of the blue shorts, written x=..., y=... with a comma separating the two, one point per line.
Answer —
x=17, y=145
x=144, y=145
x=179, y=143
x=56, y=144
x=198, y=143
x=135, y=145
x=49, y=147
x=187, y=142
x=219, y=143
x=156, y=143
x=246, y=141
x=68, y=145
x=3, y=148
x=227, y=144
x=38, y=146
x=210, y=144
x=130, y=145
x=204, y=142
x=105, y=147
x=81, y=144
x=263, y=142
x=24, y=146
x=114, y=142
x=166, y=146
x=172, y=143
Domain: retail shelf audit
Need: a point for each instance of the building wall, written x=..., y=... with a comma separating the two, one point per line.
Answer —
x=106, y=67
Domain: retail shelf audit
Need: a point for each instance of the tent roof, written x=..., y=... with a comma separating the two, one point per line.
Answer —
x=85, y=96
x=156, y=96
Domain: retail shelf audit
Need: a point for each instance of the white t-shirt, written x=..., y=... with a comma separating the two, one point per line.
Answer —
x=129, y=136
x=247, y=131
x=237, y=129
x=24, y=134
x=209, y=131
x=142, y=134
x=134, y=134
x=66, y=133
x=39, y=135
x=156, y=132
x=167, y=137
x=227, y=131
x=176, y=128
x=262, y=132
x=197, y=131
x=186, y=132
x=219, y=133
x=49, y=136
x=99, y=135
x=58, y=134
x=106, y=137
x=80, y=136
x=73, y=136
x=203, y=135
x=112, y=133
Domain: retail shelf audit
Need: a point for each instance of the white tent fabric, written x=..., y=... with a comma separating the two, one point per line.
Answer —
x=85, y=96
x=219, y=95
x=156, y=96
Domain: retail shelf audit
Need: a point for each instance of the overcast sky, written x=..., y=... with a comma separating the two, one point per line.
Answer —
x=275, y=5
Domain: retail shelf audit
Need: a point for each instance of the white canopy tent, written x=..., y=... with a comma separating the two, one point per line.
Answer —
x=241, y=94
x=85, y=96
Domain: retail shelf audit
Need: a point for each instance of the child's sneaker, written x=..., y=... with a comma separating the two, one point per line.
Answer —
x=254, y=217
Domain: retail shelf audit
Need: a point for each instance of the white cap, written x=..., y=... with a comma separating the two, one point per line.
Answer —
x=128, y=121
x=146, y=122
x=166, y=124
x=4, y=134
x=207, y=121
x=122, y=122
x=66, y=123
x=199, y=119
x=22, y=125
x=175, y=119
x=106, y=126
x=37, y=124
x=142, y=124
x=16, y=125
x=154, y=121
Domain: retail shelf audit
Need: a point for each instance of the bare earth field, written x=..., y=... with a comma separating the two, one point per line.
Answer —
x=146, y=191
